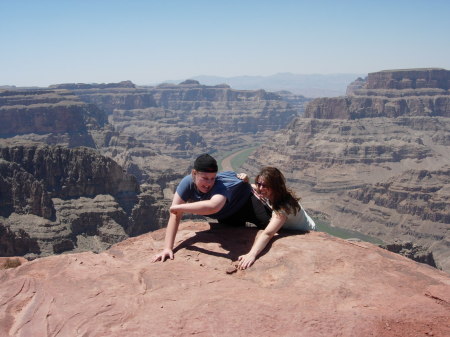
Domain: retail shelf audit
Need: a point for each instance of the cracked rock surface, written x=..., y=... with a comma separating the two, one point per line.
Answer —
x=304, y=285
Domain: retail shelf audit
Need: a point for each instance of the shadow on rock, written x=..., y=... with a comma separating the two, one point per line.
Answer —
x=236, y=241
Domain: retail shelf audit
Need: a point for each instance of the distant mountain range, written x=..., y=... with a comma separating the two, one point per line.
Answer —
x=309, y=85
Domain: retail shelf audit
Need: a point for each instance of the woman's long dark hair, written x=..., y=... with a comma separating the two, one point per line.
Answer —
x=283, y=198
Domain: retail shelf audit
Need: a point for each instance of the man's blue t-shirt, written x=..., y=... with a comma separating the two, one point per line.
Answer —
x=227, y=184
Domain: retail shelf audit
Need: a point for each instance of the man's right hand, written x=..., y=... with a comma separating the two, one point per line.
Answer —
x=166, y=253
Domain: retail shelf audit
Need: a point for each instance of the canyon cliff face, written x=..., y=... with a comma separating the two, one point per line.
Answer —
x=218, y=106
x=307, y=285
x=189, y=118
x=50, y=116
x=56, y=116
x=355, y=160
x=376, y=161
x=55, y=199
x=409, y=79
x=421, y=92
x=60, y=197
x=149, y=128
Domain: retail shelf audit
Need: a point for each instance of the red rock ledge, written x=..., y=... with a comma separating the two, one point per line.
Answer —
x=305, y=285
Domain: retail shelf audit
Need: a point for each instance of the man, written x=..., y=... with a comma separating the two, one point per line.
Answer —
x=220, y=196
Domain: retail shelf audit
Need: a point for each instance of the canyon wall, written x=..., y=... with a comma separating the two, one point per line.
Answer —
x=422, y=92
x=374, y=161
x=360, y=168
x=189, y=118
x=69, y=151
x=51, y=116
x=55, y=199
x=143, y=128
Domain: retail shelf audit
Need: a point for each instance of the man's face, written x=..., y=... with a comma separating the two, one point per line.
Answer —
x=204, y=180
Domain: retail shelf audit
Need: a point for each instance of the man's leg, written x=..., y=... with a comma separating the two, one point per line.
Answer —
x=261, y=213
x=254, y=211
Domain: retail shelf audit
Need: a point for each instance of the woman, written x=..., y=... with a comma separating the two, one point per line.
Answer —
x=286, y=212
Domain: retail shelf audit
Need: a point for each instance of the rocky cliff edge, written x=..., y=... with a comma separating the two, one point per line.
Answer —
x=305, y=285
x=389, y=93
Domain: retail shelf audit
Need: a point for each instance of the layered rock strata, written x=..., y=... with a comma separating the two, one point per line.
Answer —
x=56, y=117
x=65, y=198
x=409, y=79
x=189, y=118
x=148, y=125
x=422, y=92
x=382, y=174
x=56, y=199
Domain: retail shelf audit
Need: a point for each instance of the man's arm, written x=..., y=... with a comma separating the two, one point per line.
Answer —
x=171, y=231
x=204, y=207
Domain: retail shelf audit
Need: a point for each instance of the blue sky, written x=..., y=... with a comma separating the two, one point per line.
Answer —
x=97, y=41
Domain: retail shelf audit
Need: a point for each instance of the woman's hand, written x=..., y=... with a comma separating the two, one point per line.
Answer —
x=243, y=177
x=245, y=261
x=275, y=223
x=166, y=253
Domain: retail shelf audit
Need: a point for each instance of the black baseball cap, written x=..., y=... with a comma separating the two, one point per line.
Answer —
x=205, y=163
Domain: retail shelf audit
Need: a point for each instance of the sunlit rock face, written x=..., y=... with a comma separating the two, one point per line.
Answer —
x=376, y=161
x=181, y=120
x=390, y=93
x=62, y=196
x=147, y=130
x=409, y=79
x=55, y=117
x=304, y=285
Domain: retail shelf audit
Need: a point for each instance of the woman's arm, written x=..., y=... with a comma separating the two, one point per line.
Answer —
x=204, y=207
x=276, y=222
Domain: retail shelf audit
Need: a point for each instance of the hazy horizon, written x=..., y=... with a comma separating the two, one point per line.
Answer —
x=215, y=79
x=49, y=42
